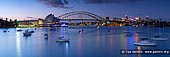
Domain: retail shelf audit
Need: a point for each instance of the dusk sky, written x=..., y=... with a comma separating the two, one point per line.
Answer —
x=20, y=9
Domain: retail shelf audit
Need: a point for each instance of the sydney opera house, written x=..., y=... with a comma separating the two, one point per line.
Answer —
x=49, y=20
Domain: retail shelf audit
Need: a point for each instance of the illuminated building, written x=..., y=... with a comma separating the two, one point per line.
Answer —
x=28, y=23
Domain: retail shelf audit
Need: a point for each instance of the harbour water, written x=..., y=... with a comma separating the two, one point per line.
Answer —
x=104, y=42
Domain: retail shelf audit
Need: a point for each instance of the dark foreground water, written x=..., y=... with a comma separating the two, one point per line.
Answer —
x=89, y=43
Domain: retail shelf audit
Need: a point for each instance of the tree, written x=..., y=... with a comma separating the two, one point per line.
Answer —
x=16, y=22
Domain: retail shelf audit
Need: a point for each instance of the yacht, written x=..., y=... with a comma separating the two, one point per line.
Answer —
x=160, y=36
x=160, y=39
x=27, y=33
x=4, y=31
x=62, y=39
x=46, y=36
x=31, y=31
x=145, y=43
x=19, y=30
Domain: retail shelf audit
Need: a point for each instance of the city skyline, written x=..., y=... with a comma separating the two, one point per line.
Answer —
x=21, y=9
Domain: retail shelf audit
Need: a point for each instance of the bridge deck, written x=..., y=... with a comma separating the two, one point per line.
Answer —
x=79, y=19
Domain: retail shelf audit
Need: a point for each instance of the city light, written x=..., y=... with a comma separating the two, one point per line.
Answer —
x=64, y=25
x=137, y=18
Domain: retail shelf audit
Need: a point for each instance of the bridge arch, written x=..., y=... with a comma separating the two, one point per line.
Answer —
x=96, y=17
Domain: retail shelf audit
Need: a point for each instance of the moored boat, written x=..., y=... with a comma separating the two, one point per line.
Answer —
x=62, y=39
x=145, y=43
x=27, y=33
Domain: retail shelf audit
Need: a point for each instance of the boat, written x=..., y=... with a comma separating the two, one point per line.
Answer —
x=97, y=27
x=27, y=33
x=160, y=39
x=31, y=31
x=46, y=36
x=62, y=39
x=64, y=25
x=160, y=36
x=145, y=43
x=19, y=30
x=4, y=31
x=80, y=30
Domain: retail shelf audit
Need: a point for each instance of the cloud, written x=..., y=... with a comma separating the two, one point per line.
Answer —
x=63, y=3
x=55, y=3
x=108, y=1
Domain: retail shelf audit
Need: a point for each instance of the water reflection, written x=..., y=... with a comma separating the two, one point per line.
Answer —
x=18, y=44
x=111, y=39
x=67, y=49
x=135, y=37
x=64, y=47
x=80, y=44
x=97, y=38
x=130, y=42
x=63, y=32
x=122, y=40
x=98, y=43
x=139, y=49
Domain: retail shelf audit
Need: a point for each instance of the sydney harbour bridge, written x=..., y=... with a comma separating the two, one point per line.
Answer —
x=81, y=16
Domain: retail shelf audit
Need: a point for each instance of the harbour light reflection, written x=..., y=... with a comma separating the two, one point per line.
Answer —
x=111, y=39
x=80, y=44
x=18, y=44
x=135, y=37
x=67, y=48
x=97, y=38
x=139, y=49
